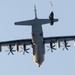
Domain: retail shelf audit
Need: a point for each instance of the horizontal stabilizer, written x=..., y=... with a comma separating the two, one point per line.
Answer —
x=56, y=20
x=44, y=21
x=28, y=22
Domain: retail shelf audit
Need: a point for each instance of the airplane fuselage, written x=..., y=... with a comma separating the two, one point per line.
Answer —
x=37, y=40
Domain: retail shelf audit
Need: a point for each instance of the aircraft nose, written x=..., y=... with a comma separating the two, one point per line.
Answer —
x=39, y=63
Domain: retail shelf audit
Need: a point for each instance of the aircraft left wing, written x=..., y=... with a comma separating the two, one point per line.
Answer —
x=14, y=42
x=59, y=39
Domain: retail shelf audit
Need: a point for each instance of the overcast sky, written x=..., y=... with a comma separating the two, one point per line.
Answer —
x=57, y=63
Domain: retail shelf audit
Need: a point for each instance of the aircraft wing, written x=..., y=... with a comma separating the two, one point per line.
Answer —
x=58, y=38
x=28, y=22
x=14, y=42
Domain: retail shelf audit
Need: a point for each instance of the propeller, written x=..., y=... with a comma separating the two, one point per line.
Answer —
x=66, y=45
x=24, y=49
x=10, y=50
x=52, y=47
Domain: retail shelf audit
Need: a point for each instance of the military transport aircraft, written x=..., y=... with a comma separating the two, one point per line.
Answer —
x=37, y=41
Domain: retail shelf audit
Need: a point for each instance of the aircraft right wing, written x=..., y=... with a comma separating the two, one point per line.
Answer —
x=59, y=39
x=28, y=22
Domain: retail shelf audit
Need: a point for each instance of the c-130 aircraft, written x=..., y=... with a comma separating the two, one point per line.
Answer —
x=37, y=41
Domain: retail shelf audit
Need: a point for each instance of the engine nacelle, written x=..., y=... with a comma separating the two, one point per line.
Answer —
x=51, y=18
x=74, y=42
x=0, y=48
x=17, y=47
x=58, y=44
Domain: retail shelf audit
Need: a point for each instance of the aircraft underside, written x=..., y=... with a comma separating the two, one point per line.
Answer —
x=37, y=41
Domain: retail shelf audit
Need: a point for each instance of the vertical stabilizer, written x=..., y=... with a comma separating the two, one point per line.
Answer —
x=35, y=11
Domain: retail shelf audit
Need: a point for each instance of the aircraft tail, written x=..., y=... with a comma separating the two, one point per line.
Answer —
x=35, y=11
